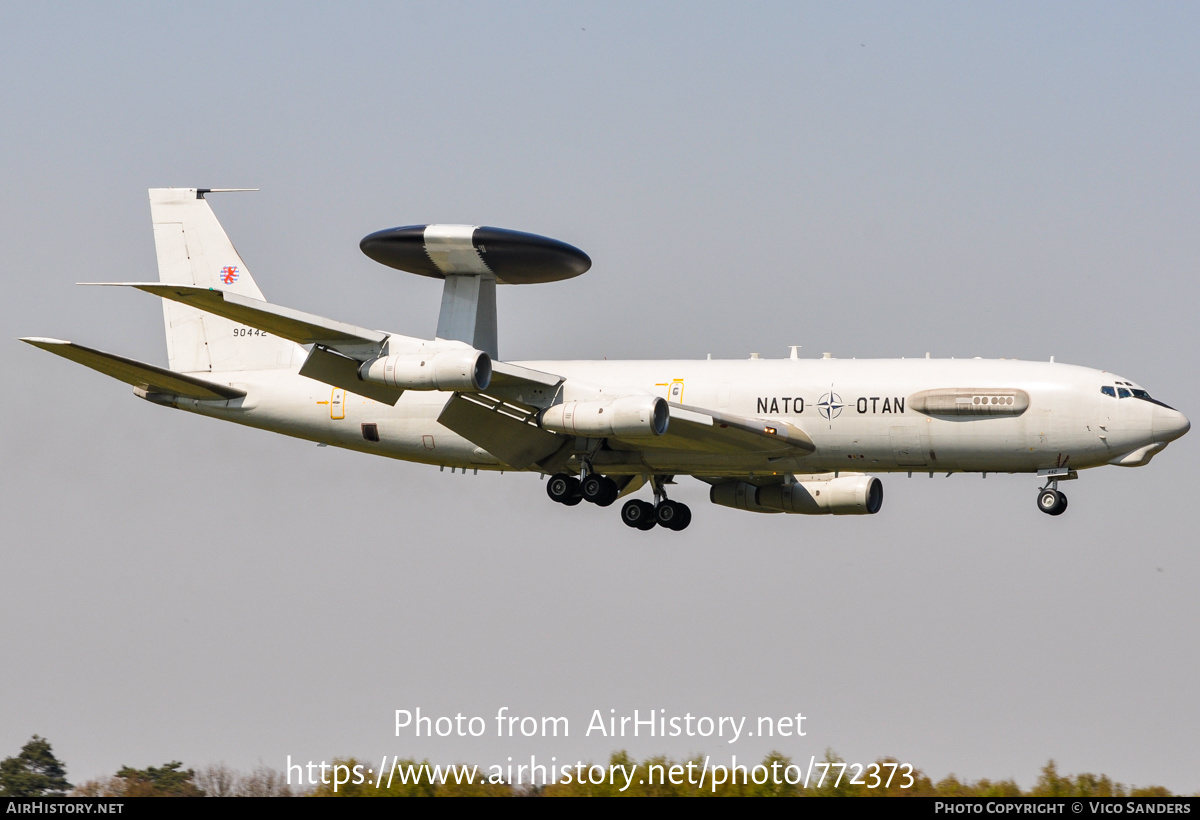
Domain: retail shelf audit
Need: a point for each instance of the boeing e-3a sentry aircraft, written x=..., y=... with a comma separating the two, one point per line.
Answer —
x=771, y=436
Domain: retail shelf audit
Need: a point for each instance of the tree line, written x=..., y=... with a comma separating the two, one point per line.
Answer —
x=36, y=772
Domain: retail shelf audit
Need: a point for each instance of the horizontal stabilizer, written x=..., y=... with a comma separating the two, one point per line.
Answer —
x=294, y=325
x=148, y=377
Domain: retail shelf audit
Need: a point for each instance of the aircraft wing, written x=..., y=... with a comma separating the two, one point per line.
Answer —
x=508, y=427
x=148, y=377
x=700, y=429
x=294, y=325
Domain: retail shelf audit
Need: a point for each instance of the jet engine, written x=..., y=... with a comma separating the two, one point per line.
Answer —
x=468, y=371
x=845, y=495
x=634, y=416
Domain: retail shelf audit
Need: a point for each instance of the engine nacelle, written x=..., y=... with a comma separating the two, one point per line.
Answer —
x=634, y=416
x=467, y=371
x=846, y=495
x=738, y=494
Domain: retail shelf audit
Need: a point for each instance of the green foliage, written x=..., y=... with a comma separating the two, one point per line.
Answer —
x=886, y=777
x=623, y=776
x=951, y=787
x=35, y=772
x=663, y=777
x=775, y=762
x=829, y=778
x=422, y=787
x=1050, y=784
x=166, y=781
x=1001, y=788
x=650, y=778
x=1090, y=785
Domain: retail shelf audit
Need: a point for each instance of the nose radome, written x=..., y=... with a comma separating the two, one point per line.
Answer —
x=1169, y=424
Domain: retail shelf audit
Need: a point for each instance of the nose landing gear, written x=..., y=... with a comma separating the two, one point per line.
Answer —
x=1051, y=502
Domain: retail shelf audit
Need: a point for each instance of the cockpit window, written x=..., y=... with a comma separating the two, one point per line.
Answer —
x=1131, y=392
x=1138, y=393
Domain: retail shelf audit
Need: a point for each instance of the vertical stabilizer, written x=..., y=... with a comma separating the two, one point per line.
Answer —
x=193, y=249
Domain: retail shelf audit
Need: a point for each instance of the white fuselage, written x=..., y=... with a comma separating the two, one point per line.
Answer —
x=858, y=413
x=769, y=435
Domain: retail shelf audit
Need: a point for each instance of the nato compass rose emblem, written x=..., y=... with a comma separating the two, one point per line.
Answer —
x=830, y=406
x=229, y=274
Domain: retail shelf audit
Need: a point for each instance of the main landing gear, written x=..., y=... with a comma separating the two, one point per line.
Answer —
x=603, y=491
x=567, y=489
x=643, y=515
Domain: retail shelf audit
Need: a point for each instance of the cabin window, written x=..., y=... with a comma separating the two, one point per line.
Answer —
x=370, y=432
x=1109, y=391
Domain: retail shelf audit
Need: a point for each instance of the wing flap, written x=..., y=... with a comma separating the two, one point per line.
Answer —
x=523, y=385
x=148, y=377
x=502, y=429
